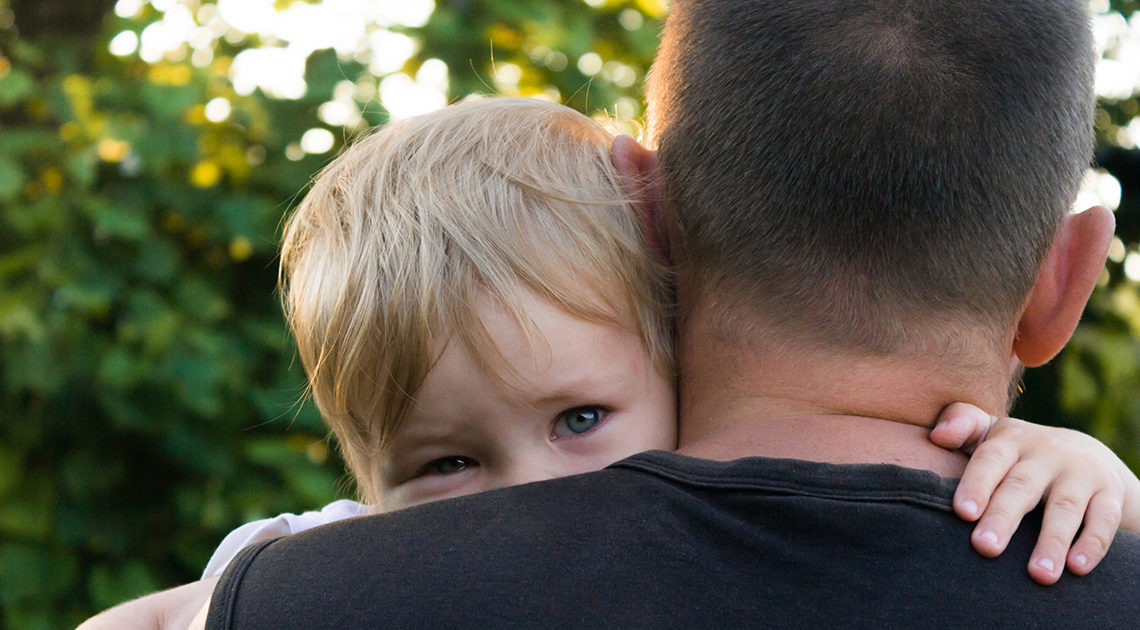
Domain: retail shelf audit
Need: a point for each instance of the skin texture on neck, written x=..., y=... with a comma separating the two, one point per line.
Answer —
x=752, y=399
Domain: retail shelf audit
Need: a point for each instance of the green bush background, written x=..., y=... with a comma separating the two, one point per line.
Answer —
x=149, y=396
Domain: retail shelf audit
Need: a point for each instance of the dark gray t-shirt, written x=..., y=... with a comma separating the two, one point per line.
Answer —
x=660, y=540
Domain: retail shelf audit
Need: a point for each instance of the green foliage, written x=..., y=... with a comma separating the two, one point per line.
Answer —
x=547, y=41
x=149, y=394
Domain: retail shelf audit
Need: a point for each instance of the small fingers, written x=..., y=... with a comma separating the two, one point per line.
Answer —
x=1018, y=493
x=961, y=426
x=1064, y=513
x=984, y=472
x=1102, y=519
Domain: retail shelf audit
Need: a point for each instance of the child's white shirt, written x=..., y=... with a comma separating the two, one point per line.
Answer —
x=281, y=525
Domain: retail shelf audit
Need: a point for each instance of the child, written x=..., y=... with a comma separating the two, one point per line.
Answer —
x=476, y=307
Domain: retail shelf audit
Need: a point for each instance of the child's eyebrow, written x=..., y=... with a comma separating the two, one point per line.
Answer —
x=557, y=398
x=415, y=434
x=581, y=389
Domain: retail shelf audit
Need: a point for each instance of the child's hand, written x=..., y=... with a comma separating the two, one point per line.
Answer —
x=1015, y=464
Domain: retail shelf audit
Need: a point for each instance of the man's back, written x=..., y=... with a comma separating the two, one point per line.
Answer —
x=665, y=540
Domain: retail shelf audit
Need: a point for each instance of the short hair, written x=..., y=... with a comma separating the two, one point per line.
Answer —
x=861, y=173
x=382, y=260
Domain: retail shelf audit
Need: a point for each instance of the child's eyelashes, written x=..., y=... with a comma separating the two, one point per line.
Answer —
x=578, y=420
x=567, y=424
x=450, y=465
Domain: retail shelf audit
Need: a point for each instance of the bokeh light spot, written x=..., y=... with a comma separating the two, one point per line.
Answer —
x=1099, y=188
x=123, y=44
x=1132, y=266
x=590, y=64
x=128, y=8
x=404, y=97
x=630, y=19
x=218, y=109
x=317, y=140
x=1116, y=250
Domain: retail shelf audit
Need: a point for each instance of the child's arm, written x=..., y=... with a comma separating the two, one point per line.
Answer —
x=172, y=609
x=177, y=607
x=1016, y=464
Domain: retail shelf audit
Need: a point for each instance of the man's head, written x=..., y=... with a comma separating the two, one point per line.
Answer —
x=875, y=176
x=401, y=239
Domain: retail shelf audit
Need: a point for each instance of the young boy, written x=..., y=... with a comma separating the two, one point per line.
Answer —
x=476, y=307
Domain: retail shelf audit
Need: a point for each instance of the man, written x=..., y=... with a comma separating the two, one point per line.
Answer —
x=867, y=205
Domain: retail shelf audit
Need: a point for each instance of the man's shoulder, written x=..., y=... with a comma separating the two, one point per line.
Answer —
x=1125, y=553
x=523, y=519
x=665, y=540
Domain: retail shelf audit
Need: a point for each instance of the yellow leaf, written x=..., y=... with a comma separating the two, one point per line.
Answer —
x=196, y=115
x=205, y=174
x=652, y=8
x=241, y=249
x=112, y=150
x=234, y=161
x=76, y=85
x=221, y=66
x=77, y=88
x=170, y=75
x=68, y=131
x=52, y=179
x=504, y=36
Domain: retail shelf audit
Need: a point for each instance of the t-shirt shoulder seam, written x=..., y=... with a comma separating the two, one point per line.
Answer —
x=233, y=577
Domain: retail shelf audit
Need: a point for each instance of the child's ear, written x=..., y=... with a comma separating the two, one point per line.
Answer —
x=1063, y=286
x=642, y=182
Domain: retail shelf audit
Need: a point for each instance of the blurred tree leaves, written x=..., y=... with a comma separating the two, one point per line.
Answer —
x=142, y=352
x=148, y=390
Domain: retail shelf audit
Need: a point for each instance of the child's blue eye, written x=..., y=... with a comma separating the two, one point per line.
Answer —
x=449, y=465
x=578, y=420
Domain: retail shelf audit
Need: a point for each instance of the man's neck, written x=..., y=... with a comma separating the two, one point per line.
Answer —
x=741, y=400
x=826, y=438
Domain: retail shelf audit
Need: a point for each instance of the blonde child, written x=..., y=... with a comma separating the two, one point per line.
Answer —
x=476, y=306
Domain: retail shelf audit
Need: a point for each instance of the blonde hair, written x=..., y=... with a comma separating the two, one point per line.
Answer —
x=383, y=258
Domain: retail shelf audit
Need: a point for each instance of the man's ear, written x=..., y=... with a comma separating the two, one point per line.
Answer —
x=642, y=181
x=1063, y=286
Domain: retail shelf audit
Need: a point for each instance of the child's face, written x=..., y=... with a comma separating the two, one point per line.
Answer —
x=588, y=396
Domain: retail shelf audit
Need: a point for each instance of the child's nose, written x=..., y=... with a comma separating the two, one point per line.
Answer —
x=521, y=476
x=528, y=469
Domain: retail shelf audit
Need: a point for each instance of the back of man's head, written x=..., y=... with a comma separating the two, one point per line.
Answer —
x=865, y=173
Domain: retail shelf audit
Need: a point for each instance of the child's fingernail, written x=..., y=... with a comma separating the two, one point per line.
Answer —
x=988, y=536
x=970, y=507
x=1046, y=563
x=1080, y=560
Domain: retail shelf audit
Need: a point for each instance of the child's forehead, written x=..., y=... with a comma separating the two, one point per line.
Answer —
x=534, y=347
x=528, y=327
